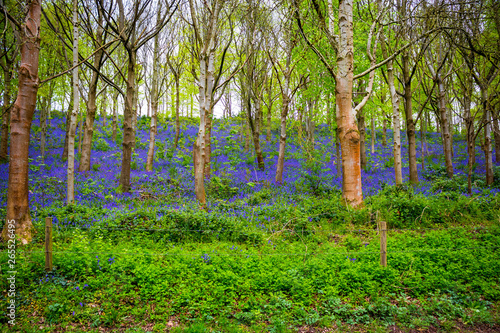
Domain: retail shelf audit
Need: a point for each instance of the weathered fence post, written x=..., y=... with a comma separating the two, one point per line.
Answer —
x=48, y=244
x=383, y=243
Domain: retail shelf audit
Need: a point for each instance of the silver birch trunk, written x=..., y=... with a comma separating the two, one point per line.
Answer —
x=154, y=101
x=74, y=112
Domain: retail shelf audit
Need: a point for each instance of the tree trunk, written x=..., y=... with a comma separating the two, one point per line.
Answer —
x=444, y=125
x=496, y=132
x=88, y=130
x=21, y=118
x=255, y=128
x=115, y=115
x=384, y=131
x=410, y=124
x=247, y=135
x=488, y=156
x=281, y=154
x=373, y=134
x=4, y=140
x=362, y=139
x=422, y=142
x=208, y=142
x=154, y=101
x=135, y=99
x=349, y=134
x=396, y=123
x=74, y=112
x=103, y=107
x=200, y=149
x=128, y=115
x=64, y=155
x=177, y=105
x=42, y=101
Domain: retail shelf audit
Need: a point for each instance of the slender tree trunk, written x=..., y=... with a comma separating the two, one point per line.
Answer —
x=268, y=130
x=488, y=156
x=299, y=114
x=115, y=115
x=444, y=125
x=21, y=118
x=128, y=115
x=269, y=110
x=255, y=128
x=135, y=100
x=310, y=124
x=88, y=130
x=281, y=154
x=384, y=131
x=43, y=124
x=208, y=142
x=80, y=134
x=349, y=134
x=496, y=132
x=373, y=134
x=328, y=112
x=74, y=112
x=246, y=131
x=104, y=104
x=154, y=101
x=396, y=123
x=362, y=139
x=4, y=140
x=410, y=124
x=177, y=105
x=200, y=149
x=68, y=122
x=422, y=155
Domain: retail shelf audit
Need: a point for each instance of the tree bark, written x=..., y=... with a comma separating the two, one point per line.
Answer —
x=88, y=129
x=64, y=155
x=177, y=106
x=349, y=134
x=488, y=156
x=255, y=128
x=373, y=135
x=362, y=139
x=74, y=112
x=154, y=101
x=115, y=115
x=44, y=109
x=21, y=118
x=496, y=132
x=444, y=125
x=282, y=147
x=410, y=124
x=396, y=123
x=4, y=140
x=128, y=115
x=103, y=107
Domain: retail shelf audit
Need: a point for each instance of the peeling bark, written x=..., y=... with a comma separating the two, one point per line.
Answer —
x=348, y=131
x=21, y=118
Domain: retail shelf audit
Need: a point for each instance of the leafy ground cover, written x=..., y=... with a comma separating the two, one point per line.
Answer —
x=265, y=257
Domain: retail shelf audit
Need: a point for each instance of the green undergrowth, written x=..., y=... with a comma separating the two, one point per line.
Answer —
x=279, y=282
x=267, y=263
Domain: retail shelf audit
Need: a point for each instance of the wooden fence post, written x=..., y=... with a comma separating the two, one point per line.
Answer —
x=48, y=244
x=383, y=244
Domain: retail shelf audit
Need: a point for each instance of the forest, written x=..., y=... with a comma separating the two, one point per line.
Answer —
x=250, y=166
